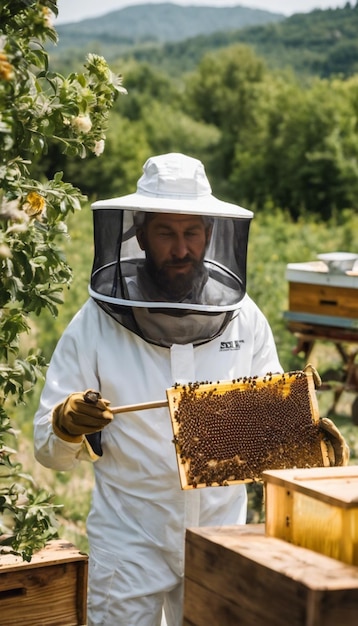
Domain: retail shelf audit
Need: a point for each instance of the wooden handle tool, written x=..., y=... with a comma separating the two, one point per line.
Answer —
x=157, y=404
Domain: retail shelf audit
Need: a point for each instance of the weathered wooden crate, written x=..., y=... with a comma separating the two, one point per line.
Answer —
x=317, y=296
x=323, y=299
x=237, y=575
x=51, y=590
x=316, y=508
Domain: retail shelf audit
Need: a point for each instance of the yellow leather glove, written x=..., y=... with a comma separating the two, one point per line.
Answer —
x=338, y=450
x=80, y=414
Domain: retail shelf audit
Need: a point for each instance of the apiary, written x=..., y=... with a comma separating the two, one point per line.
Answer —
x=238, y=575
x=315, y=508
x=319, y=296
x=50, y=590
x=231, y=431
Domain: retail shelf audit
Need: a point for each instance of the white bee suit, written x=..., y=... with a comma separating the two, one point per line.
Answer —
x=131, y=341
x=139, y=514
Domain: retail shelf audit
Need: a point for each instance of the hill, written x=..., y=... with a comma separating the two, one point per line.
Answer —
x=156, y=23
x=174, y=38
x=322, y=43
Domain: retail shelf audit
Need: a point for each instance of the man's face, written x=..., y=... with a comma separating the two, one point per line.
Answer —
x=175, y=246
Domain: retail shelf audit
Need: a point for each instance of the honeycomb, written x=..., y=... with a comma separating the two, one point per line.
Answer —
x=231, y=432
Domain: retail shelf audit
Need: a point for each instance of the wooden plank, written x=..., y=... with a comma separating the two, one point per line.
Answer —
x=312, y=331
x=323, y=299
x=51, y=590
x=44, y=596
x=316, y=273
x=203, y=607
x=337, y=486
x=345, y=323
x=53, y=552
x=237, y=575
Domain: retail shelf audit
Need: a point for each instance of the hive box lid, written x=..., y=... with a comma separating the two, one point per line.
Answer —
x=334, y=485
x=316, y=273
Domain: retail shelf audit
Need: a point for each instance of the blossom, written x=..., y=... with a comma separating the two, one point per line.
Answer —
x=35, y=204
x=98, y=66
x=6, y=69
x=98, y=147
x=10, y=210
x=5, y=252
x=82, y=123
x=48, y=17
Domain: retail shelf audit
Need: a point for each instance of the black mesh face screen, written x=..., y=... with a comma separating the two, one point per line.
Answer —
x=118, y=256
x=122, y=279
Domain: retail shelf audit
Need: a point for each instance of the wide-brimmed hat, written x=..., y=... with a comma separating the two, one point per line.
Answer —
x=174, y=183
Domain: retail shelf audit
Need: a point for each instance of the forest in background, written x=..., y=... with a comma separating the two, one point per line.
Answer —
x=266, y=136
x=272, y=140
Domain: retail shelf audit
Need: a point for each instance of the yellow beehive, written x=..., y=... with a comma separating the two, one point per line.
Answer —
x=316, y=508
x=318, y=296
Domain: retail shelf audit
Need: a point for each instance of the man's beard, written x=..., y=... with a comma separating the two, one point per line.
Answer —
x=179, y=287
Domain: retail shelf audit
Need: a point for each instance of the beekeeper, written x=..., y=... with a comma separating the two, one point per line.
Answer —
x=167, y=304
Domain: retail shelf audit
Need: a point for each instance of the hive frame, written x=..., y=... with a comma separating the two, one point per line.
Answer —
x=174, y=395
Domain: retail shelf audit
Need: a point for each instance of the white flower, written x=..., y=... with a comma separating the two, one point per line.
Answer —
x=98, y=147
x=82, y=123
x=5, y=252
x=10, y=210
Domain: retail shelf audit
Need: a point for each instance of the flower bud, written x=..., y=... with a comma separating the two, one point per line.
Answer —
x=82, y=123
x=98, y=147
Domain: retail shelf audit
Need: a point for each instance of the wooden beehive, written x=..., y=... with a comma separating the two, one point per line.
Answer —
x=320, y=297
x=315, y=508
x=237, y=575
x=51, y=590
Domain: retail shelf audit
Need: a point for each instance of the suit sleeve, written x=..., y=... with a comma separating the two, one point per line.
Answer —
x=72, y=369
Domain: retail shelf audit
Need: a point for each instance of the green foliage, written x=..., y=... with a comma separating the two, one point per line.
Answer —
x=37, y=108
x=224, y=92
x=275, y=241
x=27, y=519
x=304, y=153
x=150, y=120
x=279, y=141
x=27, y=515
x=264, y=135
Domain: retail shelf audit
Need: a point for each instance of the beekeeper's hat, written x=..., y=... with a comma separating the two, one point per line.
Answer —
x=174, y=183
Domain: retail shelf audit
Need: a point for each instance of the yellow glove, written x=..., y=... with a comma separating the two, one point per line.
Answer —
x=80, y=414
x=338, y=450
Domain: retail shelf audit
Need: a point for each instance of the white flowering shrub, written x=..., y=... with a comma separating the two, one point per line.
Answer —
x=37, y=107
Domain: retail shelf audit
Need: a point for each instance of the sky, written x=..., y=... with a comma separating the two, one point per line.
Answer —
x=76, y=10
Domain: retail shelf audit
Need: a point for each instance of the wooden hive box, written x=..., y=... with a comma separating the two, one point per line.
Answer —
x=235, y=575
x=319, y=297
x=315, y=508
x=51, y=590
